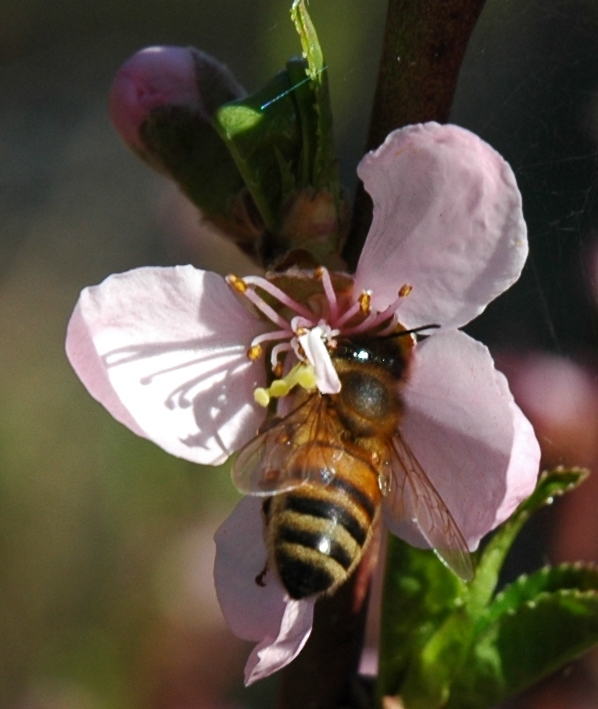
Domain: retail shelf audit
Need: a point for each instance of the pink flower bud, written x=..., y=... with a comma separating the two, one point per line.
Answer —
x=152, y=77
x=167, y=76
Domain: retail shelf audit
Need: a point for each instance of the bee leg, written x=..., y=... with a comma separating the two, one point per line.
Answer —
x=266, y=504
x=259, y=579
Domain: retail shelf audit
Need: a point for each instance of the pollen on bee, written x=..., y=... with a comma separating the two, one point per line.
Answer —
x=302, y=375
x=365, y=302
x=236, y=283
x=254, y=352
x=404, y=290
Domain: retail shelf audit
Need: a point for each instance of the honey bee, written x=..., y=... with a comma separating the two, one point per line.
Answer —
x=331, y=465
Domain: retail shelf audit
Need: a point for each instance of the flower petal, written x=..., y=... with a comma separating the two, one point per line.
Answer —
x=474, y=443
x=525, y=459
x=164, y=350
x=447, y=221
x=272, y=654
x=318, y=356
x=256, y=612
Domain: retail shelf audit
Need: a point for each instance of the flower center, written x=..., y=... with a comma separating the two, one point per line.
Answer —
x=306, y=330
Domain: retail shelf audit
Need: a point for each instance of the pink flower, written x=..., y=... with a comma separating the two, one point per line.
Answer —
x=175, y=354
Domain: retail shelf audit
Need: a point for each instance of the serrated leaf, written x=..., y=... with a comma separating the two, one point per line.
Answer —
x=419, y=595
x=550, y=485
x=525, y=644
x=527, y=588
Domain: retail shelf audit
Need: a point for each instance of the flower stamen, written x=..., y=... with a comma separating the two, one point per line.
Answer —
x=236, y=283
x=277, y=366
x=280, y=295
x=254, y=352
x=331, y=300
x=362, y=306
x=241, y=286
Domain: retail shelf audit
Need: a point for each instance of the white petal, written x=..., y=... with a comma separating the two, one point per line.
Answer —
x=319, y=357
x=164, y=350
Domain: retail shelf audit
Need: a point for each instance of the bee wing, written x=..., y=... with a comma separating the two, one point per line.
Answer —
x=413, y=498
x=268, y=465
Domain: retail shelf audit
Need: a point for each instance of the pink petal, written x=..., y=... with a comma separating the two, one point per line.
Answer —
x=255, y=612
x=461, y=422
x=272, y=654
x=164, y=350
x=155, y=76
x=525, y=459
x=447, y=221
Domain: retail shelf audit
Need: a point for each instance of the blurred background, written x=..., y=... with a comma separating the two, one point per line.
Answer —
x=106, y=595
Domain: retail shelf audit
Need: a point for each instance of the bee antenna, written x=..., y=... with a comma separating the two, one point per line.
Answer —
x=413, y=331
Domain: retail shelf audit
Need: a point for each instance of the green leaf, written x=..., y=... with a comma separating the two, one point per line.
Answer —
x=325, y=169
x=419, y=595
x=429, y=678
x=524, y=644
x=304, y=97
x=527, y=588
x=445, y=641
x=261, y=132
x=550, y=485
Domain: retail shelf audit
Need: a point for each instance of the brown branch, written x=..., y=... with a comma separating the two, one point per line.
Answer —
x=320, y=678
x=424, y=45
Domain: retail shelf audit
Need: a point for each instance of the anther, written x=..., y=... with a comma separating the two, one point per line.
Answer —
x=237, y=283
x=405, y=290
x=365, y=302
x=278, y=369
x=254, y=352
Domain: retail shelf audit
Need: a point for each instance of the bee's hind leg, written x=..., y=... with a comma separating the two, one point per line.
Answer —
x=259, y=579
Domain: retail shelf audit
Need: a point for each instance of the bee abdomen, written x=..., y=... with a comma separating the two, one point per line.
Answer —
x=318, y=536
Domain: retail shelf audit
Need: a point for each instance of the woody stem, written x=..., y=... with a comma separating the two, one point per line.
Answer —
x=424, y=45
x=321, y=677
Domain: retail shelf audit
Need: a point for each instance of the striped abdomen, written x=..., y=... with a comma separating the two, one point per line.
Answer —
x=317, y=532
